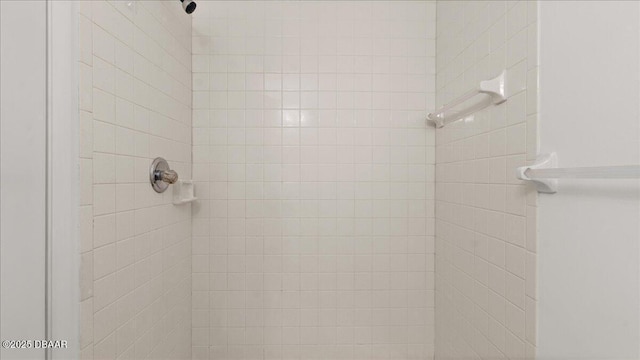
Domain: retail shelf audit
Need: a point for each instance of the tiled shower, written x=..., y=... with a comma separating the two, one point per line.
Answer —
x=485, y=216
x=314, y=233
x=331, y=221
x=320, y=179
x=135, y=104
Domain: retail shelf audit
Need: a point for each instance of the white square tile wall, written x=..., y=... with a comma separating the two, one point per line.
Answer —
x=314, y=235
x=485, y=218
x=135, y=104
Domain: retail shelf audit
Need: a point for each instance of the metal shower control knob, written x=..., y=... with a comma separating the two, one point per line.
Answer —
x=161, y=176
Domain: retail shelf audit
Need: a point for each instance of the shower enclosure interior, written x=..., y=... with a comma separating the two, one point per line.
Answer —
x=257, y=180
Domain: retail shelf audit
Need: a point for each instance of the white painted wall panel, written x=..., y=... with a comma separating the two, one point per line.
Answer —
x=588, y=232
x=22, y=174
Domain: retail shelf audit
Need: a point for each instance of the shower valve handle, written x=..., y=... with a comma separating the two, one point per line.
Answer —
x=168, y=176
x=161, y=175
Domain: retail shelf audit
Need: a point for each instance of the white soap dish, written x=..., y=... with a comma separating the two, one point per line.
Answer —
x=183, y=192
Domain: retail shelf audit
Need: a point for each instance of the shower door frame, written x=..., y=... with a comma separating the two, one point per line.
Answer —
x=42, y=117
x=63, y=175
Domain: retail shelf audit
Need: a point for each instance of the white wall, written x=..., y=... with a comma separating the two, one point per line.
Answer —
x=313, y=236
x=589, y=233
x=485, y=251
x=23, y=174
x=135, y=105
